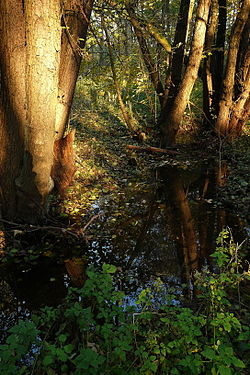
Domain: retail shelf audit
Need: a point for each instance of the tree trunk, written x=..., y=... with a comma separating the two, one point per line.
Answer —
x=173, y=120
x=43, y=40
x=30, y=59
x=217, y=58
x=208, y=88
x=12, y=106
x=226, y=101
x=179, y=47
x=75, y=22
x=241, y=107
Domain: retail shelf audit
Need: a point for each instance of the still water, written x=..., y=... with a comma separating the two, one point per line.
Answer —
x=163, y=229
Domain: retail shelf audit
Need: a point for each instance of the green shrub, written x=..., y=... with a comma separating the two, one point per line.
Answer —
x=93, y=332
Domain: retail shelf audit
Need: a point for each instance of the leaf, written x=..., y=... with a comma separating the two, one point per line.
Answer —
x=62, y=338
x=68, y=348
x=209, y=353
x=109, y=268
x=48, y=360
x=237, y=362
x=223, y=370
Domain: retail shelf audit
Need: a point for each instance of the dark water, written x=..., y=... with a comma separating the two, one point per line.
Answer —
x=163, y=229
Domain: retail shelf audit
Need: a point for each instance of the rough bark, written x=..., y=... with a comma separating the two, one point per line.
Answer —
x=173, y=120
x=63, y=168
x=226, y=102
x=32, y=70
x=241, y=108
x=12, y=106
x=75, y=22
x=43, y=40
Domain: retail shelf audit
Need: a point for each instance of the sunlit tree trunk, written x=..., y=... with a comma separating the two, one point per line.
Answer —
x=227, y=98
x=31, y=74
x=75, y=22
x=173, y=120
x=241, y=106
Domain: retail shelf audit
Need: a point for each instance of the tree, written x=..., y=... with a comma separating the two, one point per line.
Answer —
x=173, y=101
x=40, y=56
x=234, y=104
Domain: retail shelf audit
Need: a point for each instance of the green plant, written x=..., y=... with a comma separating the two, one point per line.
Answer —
x=94, y=332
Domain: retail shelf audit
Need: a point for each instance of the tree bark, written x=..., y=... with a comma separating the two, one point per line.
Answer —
x=12, y=106
x=226, y=101
x=173, y=120
x=32, y=70
x=75, y=22
x=179, y=47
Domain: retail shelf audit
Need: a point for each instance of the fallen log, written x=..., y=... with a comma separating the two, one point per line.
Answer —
x=153, y=149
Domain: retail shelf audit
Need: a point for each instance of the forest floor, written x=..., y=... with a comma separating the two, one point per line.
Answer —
x=107, y=170
x=105, y=166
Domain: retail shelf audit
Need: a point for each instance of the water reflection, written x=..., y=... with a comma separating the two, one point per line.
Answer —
x=166, y=229
x=163, y=229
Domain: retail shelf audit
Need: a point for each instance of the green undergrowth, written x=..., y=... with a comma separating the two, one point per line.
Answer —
x=95, y=331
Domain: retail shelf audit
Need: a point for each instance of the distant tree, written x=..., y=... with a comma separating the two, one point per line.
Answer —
x=173, y=92
x=40, y=55
x=195, y=43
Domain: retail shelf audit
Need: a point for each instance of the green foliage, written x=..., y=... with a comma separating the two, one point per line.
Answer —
x=94, y=333
x=18, y=348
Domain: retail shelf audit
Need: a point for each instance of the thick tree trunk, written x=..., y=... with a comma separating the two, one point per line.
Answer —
x=241, y=107
x=32, y=69
x=12, y=106
x=226, y=102
x=173, y=120
x=43, y=41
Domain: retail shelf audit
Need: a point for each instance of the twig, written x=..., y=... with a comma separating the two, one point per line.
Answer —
x=90, y=221
x=32, y=228
x=153, y=149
